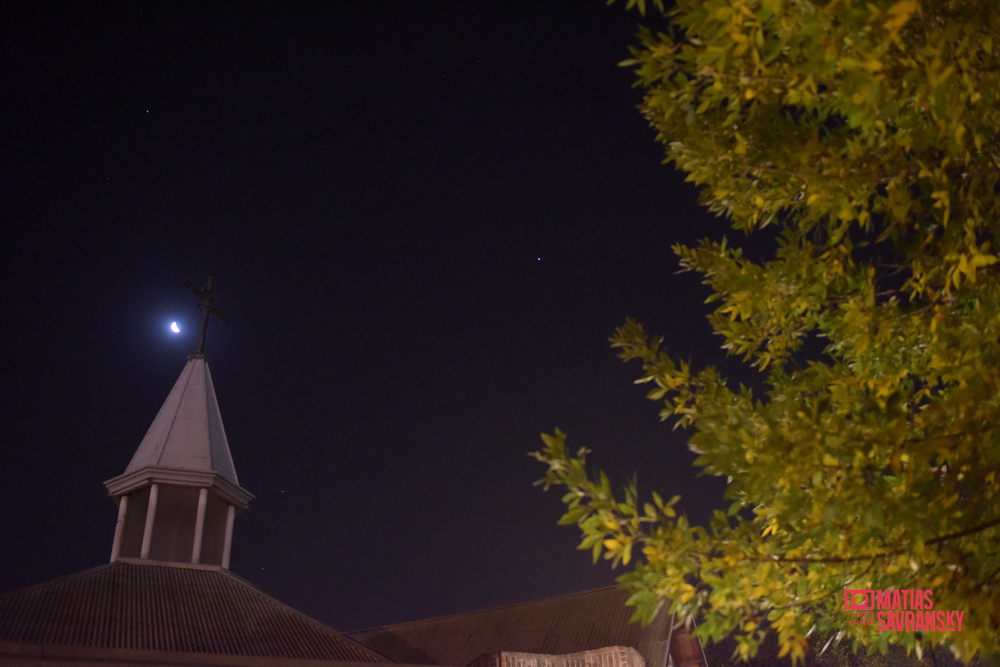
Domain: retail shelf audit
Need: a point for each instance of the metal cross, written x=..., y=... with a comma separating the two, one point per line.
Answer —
x=208, y=306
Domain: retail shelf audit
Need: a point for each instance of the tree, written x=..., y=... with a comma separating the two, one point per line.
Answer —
x=865, y=135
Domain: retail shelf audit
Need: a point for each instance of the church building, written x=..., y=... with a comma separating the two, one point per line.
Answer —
x=167, y=596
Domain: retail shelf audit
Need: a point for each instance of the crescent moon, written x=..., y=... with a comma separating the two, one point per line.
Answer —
x=174, y=327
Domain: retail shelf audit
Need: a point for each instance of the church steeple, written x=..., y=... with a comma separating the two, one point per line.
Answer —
x=179, y=494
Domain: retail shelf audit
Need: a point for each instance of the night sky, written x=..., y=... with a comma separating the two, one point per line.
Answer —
x=425, y=220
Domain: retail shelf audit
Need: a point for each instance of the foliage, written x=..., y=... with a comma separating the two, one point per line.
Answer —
x=866, y=133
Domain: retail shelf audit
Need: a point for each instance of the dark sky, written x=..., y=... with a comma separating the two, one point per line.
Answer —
x=424, y=218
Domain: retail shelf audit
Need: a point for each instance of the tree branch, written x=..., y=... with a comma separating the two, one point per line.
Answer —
x=854, y=559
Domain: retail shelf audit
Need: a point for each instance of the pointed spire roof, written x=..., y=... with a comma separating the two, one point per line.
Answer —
x=188, y=432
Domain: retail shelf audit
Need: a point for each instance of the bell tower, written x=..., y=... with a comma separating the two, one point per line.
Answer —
x=179, y=494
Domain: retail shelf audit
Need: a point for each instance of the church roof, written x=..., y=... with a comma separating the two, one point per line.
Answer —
x=559, y=625
x=188, y=433
x=151, y=607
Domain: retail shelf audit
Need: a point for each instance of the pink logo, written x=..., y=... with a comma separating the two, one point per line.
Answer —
x=859, y=599
x=907, y=610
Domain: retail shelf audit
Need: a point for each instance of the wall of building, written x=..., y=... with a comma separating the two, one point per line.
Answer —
x=611, y=656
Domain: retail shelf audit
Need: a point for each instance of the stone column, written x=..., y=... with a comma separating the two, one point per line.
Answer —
x=116, y=546
x=228, y=546
x=147, y=533
x=199, y=525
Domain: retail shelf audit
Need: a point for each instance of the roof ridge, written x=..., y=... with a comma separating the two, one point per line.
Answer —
x=216, y=414
x=486, y=610
x=324, y=626
x=174, y=412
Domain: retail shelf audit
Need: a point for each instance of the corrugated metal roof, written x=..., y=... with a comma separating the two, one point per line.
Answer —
x=167, y=608
x=566, y=624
